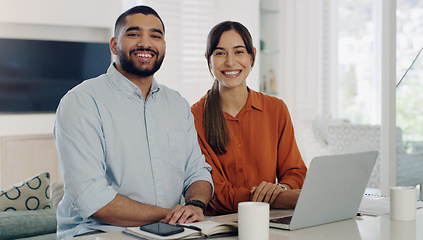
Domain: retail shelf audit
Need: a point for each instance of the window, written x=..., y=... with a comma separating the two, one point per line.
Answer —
x=358, y=91
x=410, y=71
x=409, y=87
x=358, y=96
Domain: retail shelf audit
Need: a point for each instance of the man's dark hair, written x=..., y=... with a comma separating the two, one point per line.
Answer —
x=146, y=10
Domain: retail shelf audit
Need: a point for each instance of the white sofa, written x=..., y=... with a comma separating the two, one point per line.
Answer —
x=337, y=137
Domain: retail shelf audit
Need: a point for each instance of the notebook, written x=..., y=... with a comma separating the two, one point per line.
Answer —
x=332, y=190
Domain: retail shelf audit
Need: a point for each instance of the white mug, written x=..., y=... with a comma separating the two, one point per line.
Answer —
x=403, y=203
x=253, y=220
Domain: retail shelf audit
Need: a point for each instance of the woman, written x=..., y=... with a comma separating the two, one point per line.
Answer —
x=247, y=137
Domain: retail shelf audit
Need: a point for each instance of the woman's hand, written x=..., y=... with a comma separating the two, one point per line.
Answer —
x=265, y=192
x=275, y=195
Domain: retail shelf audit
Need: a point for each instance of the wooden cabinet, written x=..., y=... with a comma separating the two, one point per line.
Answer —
x=23, y=157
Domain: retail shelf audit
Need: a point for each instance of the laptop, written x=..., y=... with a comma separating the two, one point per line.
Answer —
x=332, y=190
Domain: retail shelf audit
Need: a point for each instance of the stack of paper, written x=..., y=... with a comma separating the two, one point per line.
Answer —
x=374, y=205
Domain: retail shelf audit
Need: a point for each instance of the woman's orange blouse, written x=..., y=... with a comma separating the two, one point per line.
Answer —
x=262, y=147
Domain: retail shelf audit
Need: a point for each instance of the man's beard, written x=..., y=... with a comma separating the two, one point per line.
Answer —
x=129, y=66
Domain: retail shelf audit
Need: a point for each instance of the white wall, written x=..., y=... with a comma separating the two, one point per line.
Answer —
x=24, y=124
x=92, y=13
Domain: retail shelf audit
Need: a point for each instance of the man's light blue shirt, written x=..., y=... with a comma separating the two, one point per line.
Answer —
x=110, y=140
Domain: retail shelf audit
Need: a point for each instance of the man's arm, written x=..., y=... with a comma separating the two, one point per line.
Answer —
x=199, y=190
x=123, y=211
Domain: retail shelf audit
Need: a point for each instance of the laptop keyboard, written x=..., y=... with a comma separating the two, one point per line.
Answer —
x=282, y=220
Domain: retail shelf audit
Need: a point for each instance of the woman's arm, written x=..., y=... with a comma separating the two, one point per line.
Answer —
x=291, y=170
x=275, y=195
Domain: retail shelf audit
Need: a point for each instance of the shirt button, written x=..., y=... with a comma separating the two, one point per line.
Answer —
x=156, y=169
x=151, y=136
x=239, y=145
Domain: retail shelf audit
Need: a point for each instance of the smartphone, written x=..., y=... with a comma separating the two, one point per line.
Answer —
x=162, y=229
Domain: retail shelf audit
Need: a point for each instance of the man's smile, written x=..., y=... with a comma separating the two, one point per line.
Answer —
x=144, y=54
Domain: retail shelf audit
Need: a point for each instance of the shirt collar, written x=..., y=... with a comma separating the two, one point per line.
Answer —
x=253, y=101
x=127, y=86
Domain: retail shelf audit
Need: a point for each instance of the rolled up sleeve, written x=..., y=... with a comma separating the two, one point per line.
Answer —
x=80, y=144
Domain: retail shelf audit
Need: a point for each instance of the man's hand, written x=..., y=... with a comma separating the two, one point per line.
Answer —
x=199, y=190
x=184, y=214
x=265, y=192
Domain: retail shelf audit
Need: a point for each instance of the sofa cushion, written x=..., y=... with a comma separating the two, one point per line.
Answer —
x=32, y=194
x=20, y=224
x=57, y=192
x=349, y=138
x=51, y=236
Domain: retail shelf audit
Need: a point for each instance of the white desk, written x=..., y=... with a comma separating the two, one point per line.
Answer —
x=364, y=228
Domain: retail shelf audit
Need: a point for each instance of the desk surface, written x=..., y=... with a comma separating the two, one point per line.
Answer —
x=364, y=228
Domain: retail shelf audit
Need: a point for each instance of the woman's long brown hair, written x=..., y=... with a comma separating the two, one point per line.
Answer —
x=214, y=122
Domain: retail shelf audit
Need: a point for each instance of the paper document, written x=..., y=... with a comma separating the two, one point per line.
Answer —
x=196, y=230
x=374, y=205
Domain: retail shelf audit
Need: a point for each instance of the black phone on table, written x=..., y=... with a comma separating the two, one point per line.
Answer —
x=162, y=229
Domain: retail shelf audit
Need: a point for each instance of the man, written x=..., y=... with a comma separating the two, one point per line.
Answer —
x=127, y=145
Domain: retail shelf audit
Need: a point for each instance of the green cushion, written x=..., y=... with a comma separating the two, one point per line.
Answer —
x=51, y=236
x=20, y=224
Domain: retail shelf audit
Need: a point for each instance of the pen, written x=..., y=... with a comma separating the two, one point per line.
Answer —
x=190, y=227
